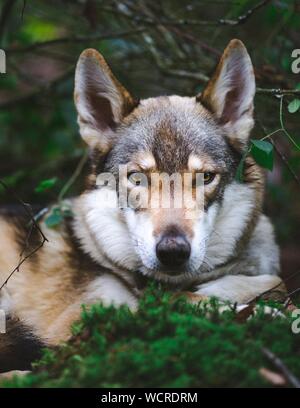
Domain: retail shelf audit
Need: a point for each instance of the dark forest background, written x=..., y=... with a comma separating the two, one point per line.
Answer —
x=154, y=48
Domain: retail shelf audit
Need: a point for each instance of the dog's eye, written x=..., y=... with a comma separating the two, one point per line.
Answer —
x=208, y=177
x=137, y=179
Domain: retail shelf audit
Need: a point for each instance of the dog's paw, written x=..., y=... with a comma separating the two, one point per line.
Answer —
x=246, y=312
x=243, y=289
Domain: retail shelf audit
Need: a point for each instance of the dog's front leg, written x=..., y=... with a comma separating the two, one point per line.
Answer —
x=239, y=289
x=106, y=289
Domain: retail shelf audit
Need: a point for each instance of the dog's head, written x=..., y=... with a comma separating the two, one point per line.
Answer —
x=168, y=135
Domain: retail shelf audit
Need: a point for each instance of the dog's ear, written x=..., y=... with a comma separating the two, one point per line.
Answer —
x=101, y=101
x=230, y=92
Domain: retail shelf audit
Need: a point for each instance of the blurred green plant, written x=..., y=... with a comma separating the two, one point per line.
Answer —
x=167, y=343
x=45, y=185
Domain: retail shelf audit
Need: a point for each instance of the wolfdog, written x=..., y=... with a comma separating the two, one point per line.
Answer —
x=224, y=247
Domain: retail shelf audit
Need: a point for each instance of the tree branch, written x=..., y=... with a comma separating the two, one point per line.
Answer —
x=180, y=73
x=280, y=154
x=277, y=91
x=186, y=22
x=204, y=78
x=244, y=17
x=34, y=224
x=281, y=367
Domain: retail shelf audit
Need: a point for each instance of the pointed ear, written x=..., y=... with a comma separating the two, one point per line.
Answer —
x=230, y=92
x=101, y=101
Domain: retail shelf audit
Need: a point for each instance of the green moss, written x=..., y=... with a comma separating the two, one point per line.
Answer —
x=165, y=344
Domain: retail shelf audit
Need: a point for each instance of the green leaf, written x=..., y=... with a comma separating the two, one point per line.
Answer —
x=263, y=153
x=54, y=219
x=46, y=185
x=294, y=105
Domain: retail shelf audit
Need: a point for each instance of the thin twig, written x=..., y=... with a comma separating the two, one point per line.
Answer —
x=180, y=73
x=282, y=124
x=194, y=39
x=277, y=91
x=285, y=161
x=279, y=152
x=198, y=76
x=26, y=207
x=244, y=17
x=282, y=128
x=187, y=22
x=74, y=176
x=34, y=224
x=292, y=293
x=17, y=268
x=290, y=377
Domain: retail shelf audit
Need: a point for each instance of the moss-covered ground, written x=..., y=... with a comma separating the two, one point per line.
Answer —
x=167, y=343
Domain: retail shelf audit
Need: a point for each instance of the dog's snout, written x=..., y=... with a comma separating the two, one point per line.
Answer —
x=173, y=250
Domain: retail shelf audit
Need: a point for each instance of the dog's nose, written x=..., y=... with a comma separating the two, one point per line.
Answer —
x=173, y=250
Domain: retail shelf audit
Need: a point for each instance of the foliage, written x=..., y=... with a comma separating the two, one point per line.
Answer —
x=294, y=105
x=166, y=343
x=46, y=185
x=262, y=151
